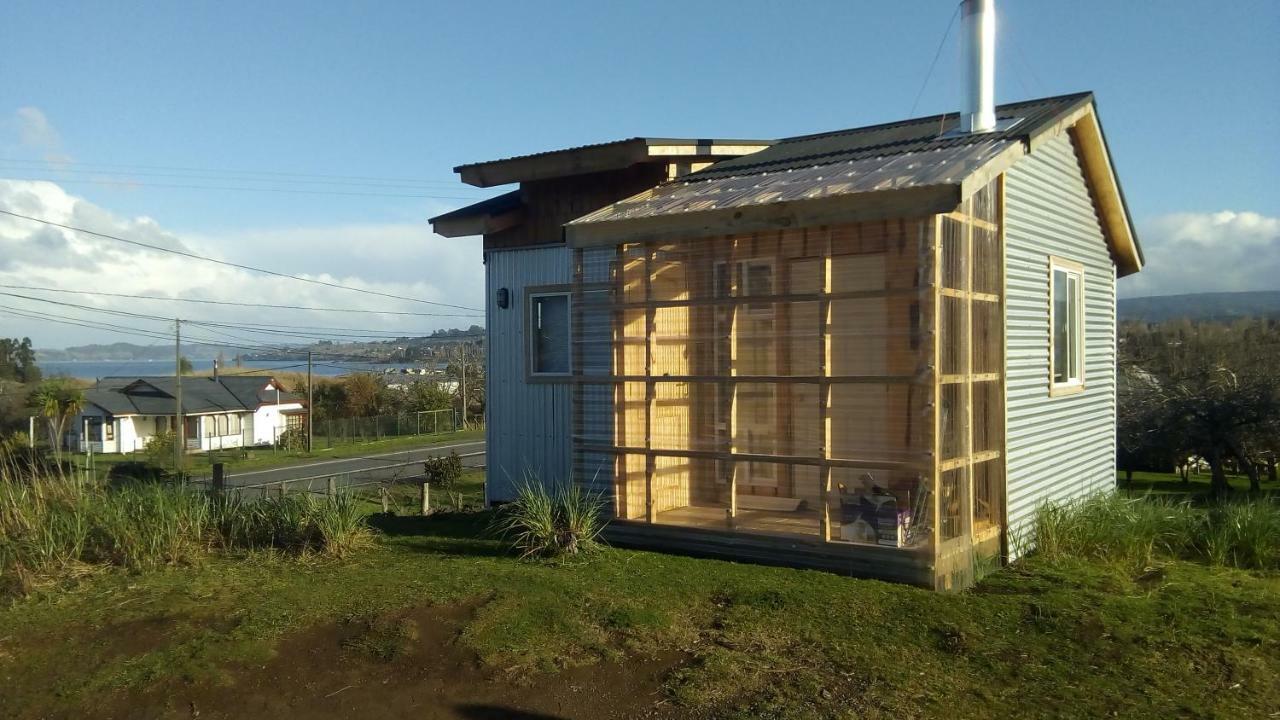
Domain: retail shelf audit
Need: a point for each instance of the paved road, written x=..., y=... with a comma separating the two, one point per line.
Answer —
x=363, y=469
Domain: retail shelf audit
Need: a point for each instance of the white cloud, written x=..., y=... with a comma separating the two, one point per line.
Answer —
x=36, y=132
x=1207, y=252
x=398, y=259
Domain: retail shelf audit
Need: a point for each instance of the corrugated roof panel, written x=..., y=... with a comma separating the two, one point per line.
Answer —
x=907, y=136
x=945, y=165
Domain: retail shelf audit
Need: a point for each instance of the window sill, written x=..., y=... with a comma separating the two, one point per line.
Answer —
x=549, y=377
x=1060, y=389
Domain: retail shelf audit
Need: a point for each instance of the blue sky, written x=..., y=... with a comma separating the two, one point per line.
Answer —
x=1187, y=93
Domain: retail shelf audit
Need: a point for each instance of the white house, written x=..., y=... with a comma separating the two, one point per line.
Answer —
x=123, y=414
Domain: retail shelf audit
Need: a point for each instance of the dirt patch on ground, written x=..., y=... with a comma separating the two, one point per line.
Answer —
x=404, y=665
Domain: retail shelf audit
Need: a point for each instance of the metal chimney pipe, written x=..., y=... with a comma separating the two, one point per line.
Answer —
x=978, y=28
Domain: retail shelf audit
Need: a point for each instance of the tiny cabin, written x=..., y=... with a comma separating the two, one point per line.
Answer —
x=874, y=351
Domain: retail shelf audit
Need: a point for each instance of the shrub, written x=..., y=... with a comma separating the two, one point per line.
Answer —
x=445, y=472
x=159, y=449
x=1137, y=531
x=293, y=439
x=542, y=522
x=136, y=471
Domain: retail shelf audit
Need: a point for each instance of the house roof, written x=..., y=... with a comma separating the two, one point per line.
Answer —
x=599, y=157
x=918, y=166
x=487, y=216
x=156, y=395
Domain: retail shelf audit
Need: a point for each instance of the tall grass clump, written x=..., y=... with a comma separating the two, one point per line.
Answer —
x=1136, y=531
x=562, y=520
x=54, y=526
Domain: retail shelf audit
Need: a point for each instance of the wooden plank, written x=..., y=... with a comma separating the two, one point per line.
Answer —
x=937, y=391
x=882, y=463
x=649, y=390
x=778, y=298
x=747, y=379
x=824, y=387
x=969, y=219
x=964, y=460
x=1004, y=377
x=976, y=377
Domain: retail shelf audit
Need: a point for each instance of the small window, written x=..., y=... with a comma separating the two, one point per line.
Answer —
x=549, y=334
x=1066, y=322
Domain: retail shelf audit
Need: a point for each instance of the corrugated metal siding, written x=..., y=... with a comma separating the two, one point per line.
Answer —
x=528, y=424
x=1058, y=447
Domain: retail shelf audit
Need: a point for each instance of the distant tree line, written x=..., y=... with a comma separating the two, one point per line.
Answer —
x=18, y=361
x=368, y=394
x=1200, y=391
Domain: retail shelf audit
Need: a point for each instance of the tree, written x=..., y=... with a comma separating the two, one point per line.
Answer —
x=58, y=400
x=361, y=391
x=18, y=361
x=466, y=370
x=1212, y=390
x=184, y=365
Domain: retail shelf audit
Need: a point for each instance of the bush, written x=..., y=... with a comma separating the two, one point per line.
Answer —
x=159, y=449
x=1137, y=531
x=136, y=471
x=542, y=522
x=445, y=472
x=293, y=439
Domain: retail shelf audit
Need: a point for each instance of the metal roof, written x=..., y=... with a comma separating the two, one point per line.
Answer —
x=945, y=165
x=909, y=136
x=645, y=141
x=600, y=157
x=155, y=395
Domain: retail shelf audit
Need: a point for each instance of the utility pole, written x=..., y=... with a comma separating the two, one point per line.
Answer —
x=310, y=405
x=180, y=425
x=462, y=363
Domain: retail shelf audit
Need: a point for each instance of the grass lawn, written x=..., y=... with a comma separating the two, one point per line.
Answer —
x=439, y=621
x=267, y=458
x=1171, y=483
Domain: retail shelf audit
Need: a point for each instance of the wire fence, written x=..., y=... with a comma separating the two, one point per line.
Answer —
x=341, y=431
x=387, y=483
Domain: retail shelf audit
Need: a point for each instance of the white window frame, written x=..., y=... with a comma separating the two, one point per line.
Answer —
x=531, y=350
x=1075, y=375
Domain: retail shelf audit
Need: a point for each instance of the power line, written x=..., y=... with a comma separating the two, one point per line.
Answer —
x=147, y=332
x=125, y=175
x=237, y=304
x=194, y=256
x=52, y=163
x=937, y=54
x=294, y=191
x=248, y=327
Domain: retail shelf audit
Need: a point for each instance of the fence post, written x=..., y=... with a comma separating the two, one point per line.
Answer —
x=386, y=500
x=426, y=498
x=219, y=478
x=333, y=486
x=284, y=487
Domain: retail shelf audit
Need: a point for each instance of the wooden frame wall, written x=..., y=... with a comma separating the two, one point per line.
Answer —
x=972, y=301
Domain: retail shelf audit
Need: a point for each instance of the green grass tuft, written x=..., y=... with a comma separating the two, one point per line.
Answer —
x=1137, y=531
x=562, y=520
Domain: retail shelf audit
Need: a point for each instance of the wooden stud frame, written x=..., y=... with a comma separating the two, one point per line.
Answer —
x=826, y=285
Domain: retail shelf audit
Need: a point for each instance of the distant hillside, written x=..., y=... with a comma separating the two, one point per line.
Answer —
x=128, y=351
x=1201, y=306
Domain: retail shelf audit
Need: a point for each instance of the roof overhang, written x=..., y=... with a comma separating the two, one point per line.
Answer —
x=1100, y=173
x=600, y=158
x=487, y=216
